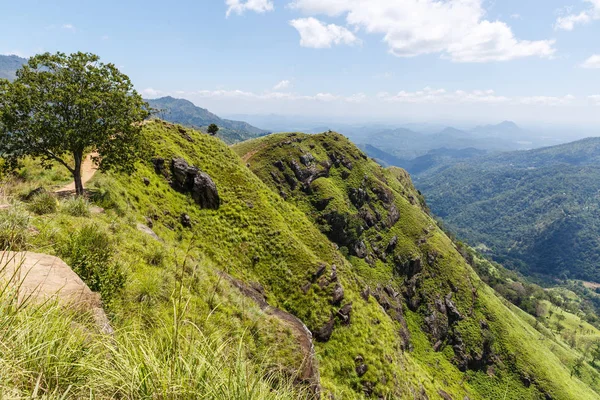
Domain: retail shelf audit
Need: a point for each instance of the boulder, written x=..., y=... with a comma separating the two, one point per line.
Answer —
x=39, y=277
x=185, y=220
x=189, y=179
x=344, y=313
x=360, y=249
x=358, y=197
x=323, y=334
x=205, y=193
x=338, y=294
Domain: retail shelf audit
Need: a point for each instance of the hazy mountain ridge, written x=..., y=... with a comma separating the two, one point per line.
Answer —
x=9, y=64
x=186, y=113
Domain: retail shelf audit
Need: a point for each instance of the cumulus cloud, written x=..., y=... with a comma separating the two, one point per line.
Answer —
x=151, y=93
x=285, y=84
x=592, y=62
x=569, y=21
x=457, y=29
x=69, y=27
x=315, y=34
x=240, y=6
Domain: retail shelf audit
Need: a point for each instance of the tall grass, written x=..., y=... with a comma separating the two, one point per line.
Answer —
x=49, y=351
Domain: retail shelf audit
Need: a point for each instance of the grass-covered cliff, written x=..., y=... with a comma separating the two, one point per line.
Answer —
x=292, y=226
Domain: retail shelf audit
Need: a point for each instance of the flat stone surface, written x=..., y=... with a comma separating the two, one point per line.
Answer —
x=39, y=277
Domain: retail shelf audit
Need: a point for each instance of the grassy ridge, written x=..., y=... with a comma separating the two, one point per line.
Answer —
x=173, y=301
x=521, y=366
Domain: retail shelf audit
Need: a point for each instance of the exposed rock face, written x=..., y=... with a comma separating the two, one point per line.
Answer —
x=189, y=179
x=391, y=302
x=39, y=277
x=309, y=373
x=323, y=334
x=338, y=294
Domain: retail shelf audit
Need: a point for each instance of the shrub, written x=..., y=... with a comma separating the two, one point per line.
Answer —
x=43, y=203
x=89, y=251
x=14, y=225
x=76, y=207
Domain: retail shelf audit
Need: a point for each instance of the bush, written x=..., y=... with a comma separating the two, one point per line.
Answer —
x=76, y=207
x=89, y=251
x=14, y=225
x=43, y=203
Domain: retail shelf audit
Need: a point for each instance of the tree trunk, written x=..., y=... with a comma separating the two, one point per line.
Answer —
x=78, y=156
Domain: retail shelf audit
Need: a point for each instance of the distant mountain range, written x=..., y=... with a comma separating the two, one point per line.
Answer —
x=536, y=211
x=9, y=65
x=184, y=112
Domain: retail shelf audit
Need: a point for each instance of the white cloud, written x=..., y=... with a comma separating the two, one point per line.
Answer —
x=152, y=93
x=595, y=99
x=442, y=96
x=592, y=62
x=568, y=22
x=285, y=84
x=240, y=6
x=69, y=27
x=315, y=34
x=431, y=96
x=454, y=28
x=547, y=100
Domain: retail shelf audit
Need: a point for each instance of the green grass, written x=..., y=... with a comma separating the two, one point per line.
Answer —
x=177, y=320
x=47, y=351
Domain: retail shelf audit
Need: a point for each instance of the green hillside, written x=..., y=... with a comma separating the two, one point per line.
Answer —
x=312, y=229
x=536, y=211
x=450, y=323
x=184, y=112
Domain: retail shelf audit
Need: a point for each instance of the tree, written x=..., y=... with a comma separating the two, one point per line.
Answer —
x=60, y=107
x=213, y=129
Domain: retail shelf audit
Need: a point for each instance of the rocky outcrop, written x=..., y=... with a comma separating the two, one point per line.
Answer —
x=189, y=179
x=309, y=371
x=39, y=277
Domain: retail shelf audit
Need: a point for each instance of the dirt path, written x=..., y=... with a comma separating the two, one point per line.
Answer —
x=88, y=169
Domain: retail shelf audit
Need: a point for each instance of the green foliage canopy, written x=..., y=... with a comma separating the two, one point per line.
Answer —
x=61, y=106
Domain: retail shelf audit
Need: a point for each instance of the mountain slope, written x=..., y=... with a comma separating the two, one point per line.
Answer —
x=9, y=65
x=536, y=210
x=394, y=309
x=451, y=328
x=184, y=112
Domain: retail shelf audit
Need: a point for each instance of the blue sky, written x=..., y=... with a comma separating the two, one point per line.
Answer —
x=404, y=60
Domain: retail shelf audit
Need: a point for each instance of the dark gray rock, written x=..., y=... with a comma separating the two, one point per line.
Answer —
x=338, y=294
x=361, y=369
x=205, y=193
x=189, y=179
x=358, y=197
x=323, y=334
x=360, y=249
x=344, y=313
x=185, y=220
x=307, y=158
x=393, y=216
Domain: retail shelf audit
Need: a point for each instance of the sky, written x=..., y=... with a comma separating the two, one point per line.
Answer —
x=533, y=61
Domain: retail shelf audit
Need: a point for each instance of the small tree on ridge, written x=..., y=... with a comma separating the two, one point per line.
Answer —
x=60, y=107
